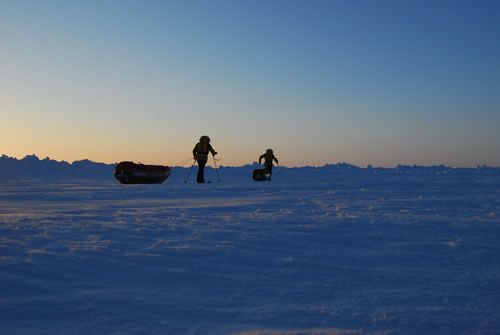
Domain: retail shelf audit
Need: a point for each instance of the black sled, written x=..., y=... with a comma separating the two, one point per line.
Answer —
x=261, y=175
x=131, y=173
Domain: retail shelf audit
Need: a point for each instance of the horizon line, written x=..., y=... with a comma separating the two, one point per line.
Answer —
x=368, y=166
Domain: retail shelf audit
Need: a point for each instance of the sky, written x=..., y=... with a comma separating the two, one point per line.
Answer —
x=363, y=82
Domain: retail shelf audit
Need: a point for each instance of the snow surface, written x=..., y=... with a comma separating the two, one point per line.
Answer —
x=348, y=255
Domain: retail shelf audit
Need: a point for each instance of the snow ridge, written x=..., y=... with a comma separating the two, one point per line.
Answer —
x=31, y=167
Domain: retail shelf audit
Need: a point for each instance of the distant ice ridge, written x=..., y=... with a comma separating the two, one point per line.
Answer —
x=31, y=167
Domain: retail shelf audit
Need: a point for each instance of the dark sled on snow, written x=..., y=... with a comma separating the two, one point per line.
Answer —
x=131, y=173
x=261, y=175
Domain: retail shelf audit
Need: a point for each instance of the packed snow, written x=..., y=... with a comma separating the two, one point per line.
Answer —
x=344, y=255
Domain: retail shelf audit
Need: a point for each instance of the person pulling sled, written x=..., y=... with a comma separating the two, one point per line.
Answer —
x=200, y=154
x=267, y=172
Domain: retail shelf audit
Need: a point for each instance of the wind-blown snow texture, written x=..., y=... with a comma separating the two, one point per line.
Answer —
x=346, y=255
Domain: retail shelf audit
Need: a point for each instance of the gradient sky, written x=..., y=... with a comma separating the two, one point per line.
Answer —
x=365, y=82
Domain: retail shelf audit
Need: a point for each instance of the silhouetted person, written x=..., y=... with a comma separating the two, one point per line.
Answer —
x=268, y=161
x=200, y=154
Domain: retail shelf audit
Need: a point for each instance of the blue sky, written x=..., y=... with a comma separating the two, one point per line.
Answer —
x=366, y=82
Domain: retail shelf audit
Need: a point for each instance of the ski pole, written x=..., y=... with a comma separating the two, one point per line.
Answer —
x=216, y=169
x=189, y=173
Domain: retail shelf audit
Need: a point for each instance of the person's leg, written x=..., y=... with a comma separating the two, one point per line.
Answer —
x=269, y=169
x=201, y=168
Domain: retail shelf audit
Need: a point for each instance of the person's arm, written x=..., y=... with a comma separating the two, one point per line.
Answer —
x=260, y=158
x=195, y=150
x=212, y=151
x=275, y=159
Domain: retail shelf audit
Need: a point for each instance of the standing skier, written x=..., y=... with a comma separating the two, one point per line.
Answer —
x=268, y=161
x=200, y=154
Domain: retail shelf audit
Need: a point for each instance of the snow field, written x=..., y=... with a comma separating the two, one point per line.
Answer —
x=377, y=255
